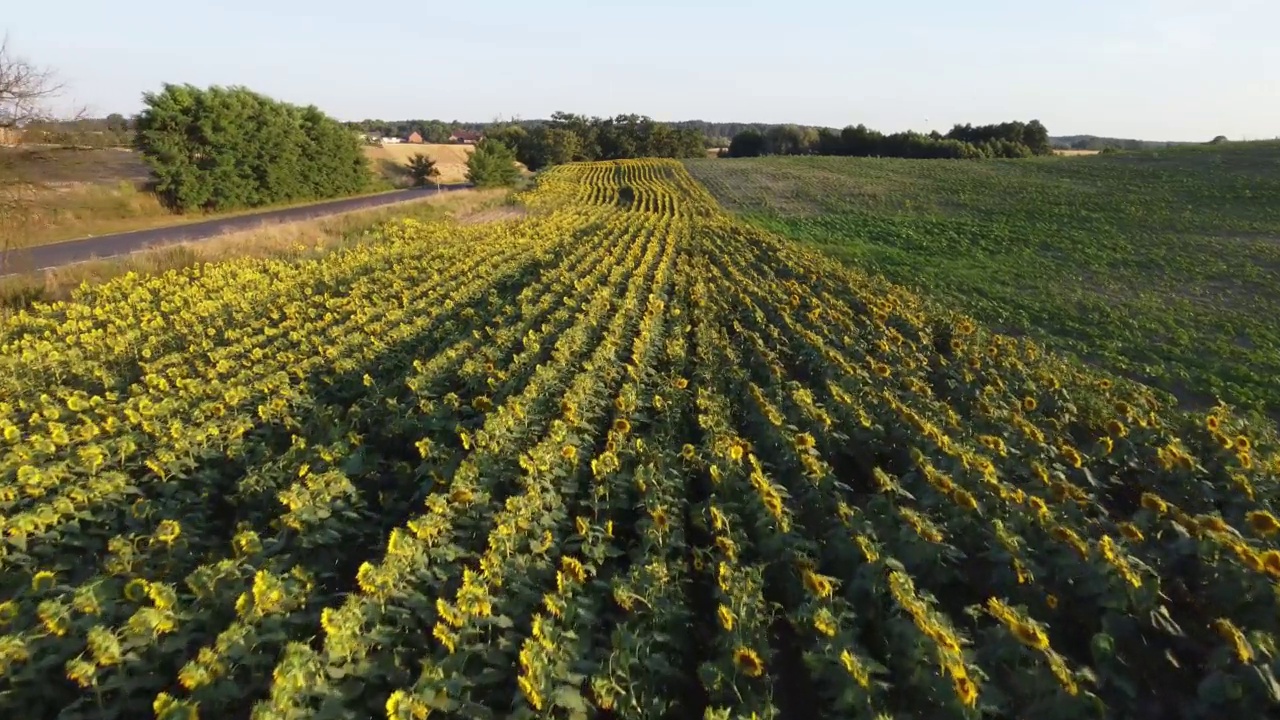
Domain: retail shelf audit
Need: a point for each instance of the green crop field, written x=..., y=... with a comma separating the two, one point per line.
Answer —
x=1163, y=266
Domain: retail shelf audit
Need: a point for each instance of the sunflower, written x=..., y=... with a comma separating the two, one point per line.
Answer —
x=1232, y=634
x=573, y=567
x=727, y=547
x=1117, y=429
x=622, y=425
x=855, y=668
x=681, y=383
x=718, y=521
x=1072, y=457
x=1130, y=532
x=82, y=672
x=773, y=503
x=1104, y=384
x=1154, y=503
x=1271, y=562
x=825, y=623
x=168, y=531
x=1029, y=404
x=748, y=661
x=725, y=615
x=820, y=585
x=736, y=452
x=964, y=499
x=1263, y=523
x=42, y=581
x=966, y=690
x=1030, y=635
x=689, y=452
x=660, y=519
x=1051, y=601
x=1242, y=443
x=8, y=612
x=569, y=452
x=1212, y=423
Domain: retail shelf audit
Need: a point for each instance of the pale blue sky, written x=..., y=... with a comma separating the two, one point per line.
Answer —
x=1155, y=69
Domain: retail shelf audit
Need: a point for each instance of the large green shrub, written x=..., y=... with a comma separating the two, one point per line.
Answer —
x=227, y=148
x=493, y=164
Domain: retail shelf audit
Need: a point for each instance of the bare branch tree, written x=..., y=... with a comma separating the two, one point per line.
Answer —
x=26, y=89
x=26, y=94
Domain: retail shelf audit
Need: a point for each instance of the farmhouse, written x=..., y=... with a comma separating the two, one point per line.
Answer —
x=414, y=137
x=465, y=137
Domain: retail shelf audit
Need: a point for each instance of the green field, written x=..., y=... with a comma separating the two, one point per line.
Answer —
x=1163, y=266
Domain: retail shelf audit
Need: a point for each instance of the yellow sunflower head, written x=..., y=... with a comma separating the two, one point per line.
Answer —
x=748, y=661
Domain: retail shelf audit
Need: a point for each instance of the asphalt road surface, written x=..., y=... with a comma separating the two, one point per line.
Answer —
x=42, y=257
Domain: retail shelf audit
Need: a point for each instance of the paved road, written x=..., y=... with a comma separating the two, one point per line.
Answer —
x=41, y=257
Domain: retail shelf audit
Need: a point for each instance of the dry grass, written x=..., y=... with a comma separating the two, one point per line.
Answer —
x=50, y=164
x=389, y=160
x=1073, y=153
x=75, y=210
x=280, y=240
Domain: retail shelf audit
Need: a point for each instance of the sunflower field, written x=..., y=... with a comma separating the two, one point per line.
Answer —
x=625, y=457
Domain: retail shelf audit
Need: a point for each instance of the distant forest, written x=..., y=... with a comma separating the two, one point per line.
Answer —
x=1093, y=142
x=1004, y=140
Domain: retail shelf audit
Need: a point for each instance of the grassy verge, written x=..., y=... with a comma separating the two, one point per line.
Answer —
x=93, y=210
x=1163, y=266
x=284, y=240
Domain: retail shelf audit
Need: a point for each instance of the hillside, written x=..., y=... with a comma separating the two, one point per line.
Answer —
x=388, y=161
x=624, y=457
x=1164, y=266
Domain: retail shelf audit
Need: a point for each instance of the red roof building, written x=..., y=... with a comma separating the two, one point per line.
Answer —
x=466, y=137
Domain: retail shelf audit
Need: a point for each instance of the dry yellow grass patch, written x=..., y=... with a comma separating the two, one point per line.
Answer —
x=450, y=160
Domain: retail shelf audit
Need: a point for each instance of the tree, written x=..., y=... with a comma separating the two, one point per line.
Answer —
x=226, y=148
x=748, y=143
x=1218, y=140
x=787, y=140
x=493, y=164
x=117, y=123
x=421, y=168
x=26, y=92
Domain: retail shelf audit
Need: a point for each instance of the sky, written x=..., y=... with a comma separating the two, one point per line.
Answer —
x=1150, y=69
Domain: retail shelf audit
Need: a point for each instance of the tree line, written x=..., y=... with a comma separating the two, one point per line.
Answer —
x=1004, y=140
x=568, y=137
x=1093, y=142
x=227, y=148
x=432, y=131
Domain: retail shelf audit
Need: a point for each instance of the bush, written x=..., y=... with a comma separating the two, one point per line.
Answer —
x=421, y=168
x=493, y=164
x=229, y=148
